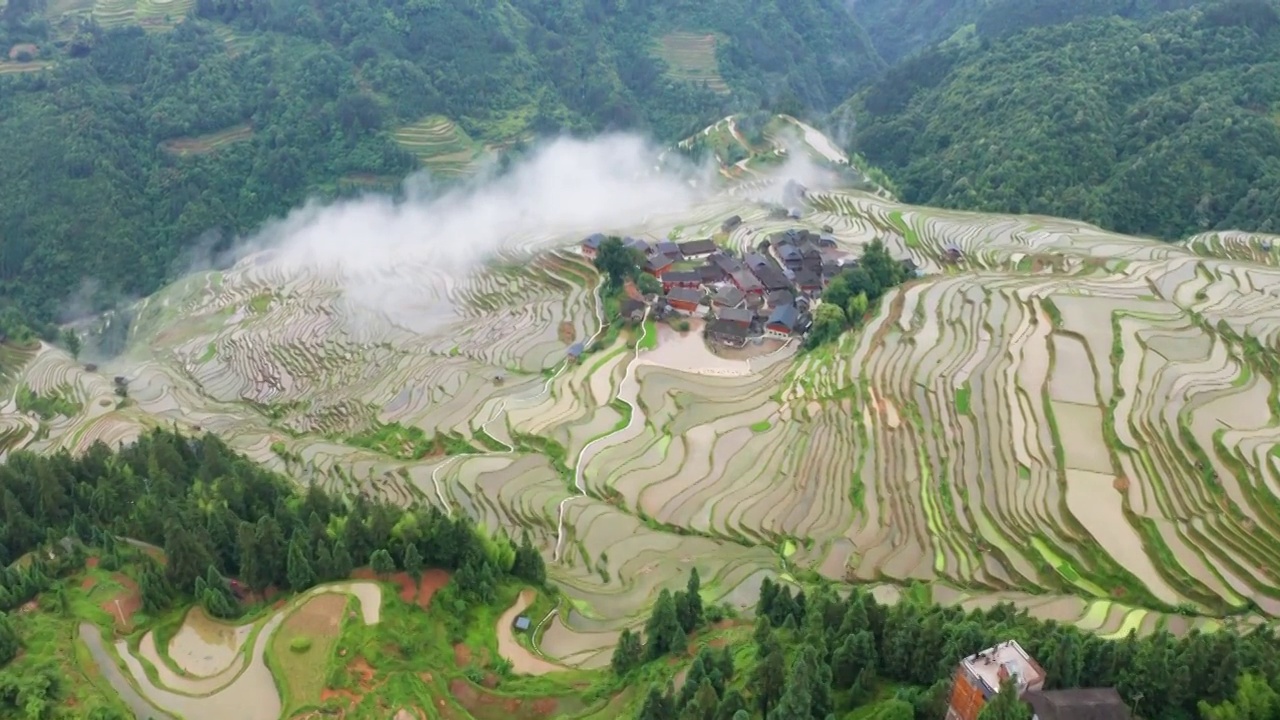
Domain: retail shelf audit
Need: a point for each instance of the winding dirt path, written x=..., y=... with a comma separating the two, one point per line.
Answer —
x=522, y=661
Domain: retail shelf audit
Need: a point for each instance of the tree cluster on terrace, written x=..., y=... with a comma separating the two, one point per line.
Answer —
x=815, y=656
x=217, y=515
x=855, y=291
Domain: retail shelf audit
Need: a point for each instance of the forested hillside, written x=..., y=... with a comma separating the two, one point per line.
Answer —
x=899, y=29
x=124, y=146
x=1163, y=127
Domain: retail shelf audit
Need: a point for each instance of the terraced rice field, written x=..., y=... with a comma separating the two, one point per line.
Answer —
x=114, y=13
x=13, y=68
x=204, y=144
x=440, y=145
x=162, y=11
x=691, y=57
x=1072, y=420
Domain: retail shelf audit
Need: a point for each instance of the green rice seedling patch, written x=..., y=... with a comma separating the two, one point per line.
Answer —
x=962, y=399
x=1132, y=621
x=205, y=144
x=649, y=339
x=909, y=234
x=691, y=57
x=260, y=303
x=49, y=405
x=1065, y=569
x=411, y=442
x=761, y=426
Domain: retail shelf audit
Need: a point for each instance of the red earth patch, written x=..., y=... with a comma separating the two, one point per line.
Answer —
x=461, y=655
x=91, y=563
x=410, y=592
x=484, y=705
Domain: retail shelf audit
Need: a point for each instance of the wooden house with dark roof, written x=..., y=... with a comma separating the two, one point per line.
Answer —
x=697, y=248
x=680, y=278
x=711, y=273
x=727, y=333
x=685, y=300
x=1077, y=704
x=728, y=296
x=741, y=316
x=591, y=244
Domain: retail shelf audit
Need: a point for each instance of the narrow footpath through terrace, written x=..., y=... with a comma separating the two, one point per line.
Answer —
x=628, y=391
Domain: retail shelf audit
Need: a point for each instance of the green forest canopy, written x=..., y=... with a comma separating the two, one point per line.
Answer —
x=1164, y=126
x=284, y=99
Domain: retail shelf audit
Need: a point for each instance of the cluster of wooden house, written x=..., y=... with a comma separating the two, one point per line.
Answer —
x=766, y=293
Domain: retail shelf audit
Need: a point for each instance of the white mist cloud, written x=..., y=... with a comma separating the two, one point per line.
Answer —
x=566, y=187
x=375, y=246
x=391, y=257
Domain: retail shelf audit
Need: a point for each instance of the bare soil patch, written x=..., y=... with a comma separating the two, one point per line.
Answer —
x=461, y=655
x=28, y=49
x=566, y=332
x=360, y=669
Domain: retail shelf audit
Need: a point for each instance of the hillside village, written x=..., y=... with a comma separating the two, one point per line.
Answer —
x=767, y=294
x=739, y=298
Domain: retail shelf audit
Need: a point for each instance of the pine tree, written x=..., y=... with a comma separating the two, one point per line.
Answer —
x=768, y=679
x=693, y=607
x=628, y=653
x=730, y=705
x=324, y=563
x=657, y=706
x=9, y=642
x=298, y=566
x=529, y=565
x=692, y=680
x=663, y=633
x=342, y=563
x=702, y=704
x=412, y=561
x=381, y=562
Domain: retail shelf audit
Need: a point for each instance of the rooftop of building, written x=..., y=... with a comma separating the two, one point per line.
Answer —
x=1078, y=704
x=1008, y=656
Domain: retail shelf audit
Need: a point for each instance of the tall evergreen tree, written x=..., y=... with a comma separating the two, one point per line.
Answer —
x=381, y=562
x=628, y=654
x=412, y=561
x=300, y=573
x=663, y=633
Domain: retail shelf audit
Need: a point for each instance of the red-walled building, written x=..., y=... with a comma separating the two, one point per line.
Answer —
x=978, y=678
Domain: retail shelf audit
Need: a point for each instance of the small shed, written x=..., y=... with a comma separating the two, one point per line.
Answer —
x=522, y=623
x=575, y=351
